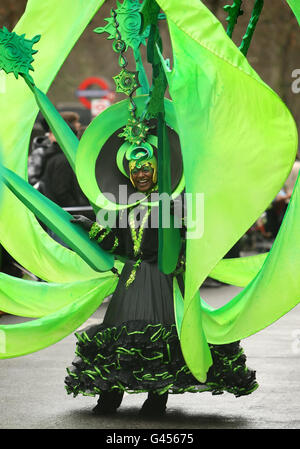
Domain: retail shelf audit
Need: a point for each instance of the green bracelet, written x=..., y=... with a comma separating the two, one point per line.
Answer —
x=95, y=229
x=103, y=235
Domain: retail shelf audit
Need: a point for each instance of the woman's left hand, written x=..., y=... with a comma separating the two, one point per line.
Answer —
x=84, y=222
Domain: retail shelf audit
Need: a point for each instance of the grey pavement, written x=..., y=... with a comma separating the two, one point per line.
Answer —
x=32, y=394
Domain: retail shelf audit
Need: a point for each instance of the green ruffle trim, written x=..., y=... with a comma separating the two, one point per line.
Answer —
x=112, y=360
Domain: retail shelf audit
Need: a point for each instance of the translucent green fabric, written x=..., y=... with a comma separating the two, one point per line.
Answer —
x=239, y=271
x=295, y=6
x=59, y=221
x=272, y=293
x=238, y=141
x=31, y=336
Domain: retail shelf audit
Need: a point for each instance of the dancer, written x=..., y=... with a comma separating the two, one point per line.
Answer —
x=136, y=348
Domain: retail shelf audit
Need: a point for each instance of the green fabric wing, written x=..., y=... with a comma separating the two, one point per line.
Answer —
x=295, y=6
x=36, y=299
x=58, y=220
x=272, y=293
x=241, y=271
x=28, y=243
x=238, y=271
x=238, y=141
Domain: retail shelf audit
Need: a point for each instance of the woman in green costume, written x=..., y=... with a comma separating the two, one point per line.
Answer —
x=136, y=348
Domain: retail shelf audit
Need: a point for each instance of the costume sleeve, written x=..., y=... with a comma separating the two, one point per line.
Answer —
x=108, y=239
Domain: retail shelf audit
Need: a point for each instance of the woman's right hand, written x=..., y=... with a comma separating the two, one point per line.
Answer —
x=84, y=222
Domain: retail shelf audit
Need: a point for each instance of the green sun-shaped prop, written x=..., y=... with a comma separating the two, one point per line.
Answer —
x=126, y=82
x=135, y=131
x=16, y=53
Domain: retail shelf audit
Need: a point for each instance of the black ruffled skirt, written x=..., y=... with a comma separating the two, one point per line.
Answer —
x=128, y=352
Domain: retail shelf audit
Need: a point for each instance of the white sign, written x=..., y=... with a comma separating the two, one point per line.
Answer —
x=98, y=105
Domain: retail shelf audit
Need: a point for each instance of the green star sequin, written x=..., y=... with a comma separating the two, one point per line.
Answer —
x=135, y=131
x=16, y=53
x=126, y=82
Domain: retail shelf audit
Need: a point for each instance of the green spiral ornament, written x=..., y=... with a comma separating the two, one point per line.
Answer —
x=139, y=154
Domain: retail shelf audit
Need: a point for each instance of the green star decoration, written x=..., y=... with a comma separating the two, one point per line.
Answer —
x=135, y=131
x=234, y=11
x=16, y=53
x=126, y=82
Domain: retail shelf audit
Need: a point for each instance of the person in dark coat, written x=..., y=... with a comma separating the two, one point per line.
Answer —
x=58, y=181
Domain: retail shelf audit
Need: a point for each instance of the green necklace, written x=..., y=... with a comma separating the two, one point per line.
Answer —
x=137, y=240
x=137, y=237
